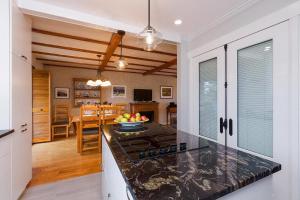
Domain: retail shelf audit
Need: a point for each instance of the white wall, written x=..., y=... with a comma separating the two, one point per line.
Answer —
x=259, y=10
x=63, y=77
x=183, y=87
x=4, y=63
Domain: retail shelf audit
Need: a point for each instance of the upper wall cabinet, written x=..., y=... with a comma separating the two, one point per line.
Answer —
x=21, y=33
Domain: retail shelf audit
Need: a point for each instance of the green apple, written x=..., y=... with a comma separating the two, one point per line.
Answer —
x=124, y=120
x=118, y=119
x=126, y=115
x=138, y=115
x=132, y=119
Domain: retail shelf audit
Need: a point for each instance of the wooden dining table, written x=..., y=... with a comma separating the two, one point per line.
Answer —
x=75, y=121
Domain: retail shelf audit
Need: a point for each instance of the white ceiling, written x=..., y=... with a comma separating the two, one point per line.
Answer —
x=197, y=15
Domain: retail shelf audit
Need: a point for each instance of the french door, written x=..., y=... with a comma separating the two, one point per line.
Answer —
x=255, y=101
x=257, y=93
x=208, y=95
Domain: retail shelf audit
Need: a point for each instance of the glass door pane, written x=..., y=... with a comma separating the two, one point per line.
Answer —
x=208, y=99
x=255, y=98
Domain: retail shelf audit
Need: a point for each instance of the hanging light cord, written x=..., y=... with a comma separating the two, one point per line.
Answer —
x=148, y=13
x=98, y=71
x=121, y=48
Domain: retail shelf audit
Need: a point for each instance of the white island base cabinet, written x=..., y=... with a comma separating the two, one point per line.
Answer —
x=113, y=183
x=260, y=190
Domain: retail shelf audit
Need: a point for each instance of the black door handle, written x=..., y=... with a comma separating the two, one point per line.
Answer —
x=230, y=127
x=221, y=124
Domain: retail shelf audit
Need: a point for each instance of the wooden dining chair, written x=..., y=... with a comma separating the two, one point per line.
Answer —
x=89, y=128
x=61, y=120
x=110, y=113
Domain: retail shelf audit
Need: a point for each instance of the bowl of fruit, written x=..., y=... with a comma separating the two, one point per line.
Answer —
x=131, y=119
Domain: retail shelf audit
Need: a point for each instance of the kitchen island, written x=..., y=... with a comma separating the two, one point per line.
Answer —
x=159, y=162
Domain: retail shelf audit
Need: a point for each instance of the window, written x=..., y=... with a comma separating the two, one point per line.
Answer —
x=208, y=98
x=255, y=98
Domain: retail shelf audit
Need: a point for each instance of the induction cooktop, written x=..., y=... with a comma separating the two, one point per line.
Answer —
x=152, y=142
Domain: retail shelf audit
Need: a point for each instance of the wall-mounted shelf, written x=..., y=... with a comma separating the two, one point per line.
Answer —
x=84, y=94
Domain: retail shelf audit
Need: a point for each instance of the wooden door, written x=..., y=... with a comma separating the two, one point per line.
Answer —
x=41, y=98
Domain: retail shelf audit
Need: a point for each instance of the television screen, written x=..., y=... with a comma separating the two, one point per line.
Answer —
x=142, y=95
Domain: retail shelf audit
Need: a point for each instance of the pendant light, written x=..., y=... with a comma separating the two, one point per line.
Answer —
x=121, y=62
x=149, y=37
x=100, y=80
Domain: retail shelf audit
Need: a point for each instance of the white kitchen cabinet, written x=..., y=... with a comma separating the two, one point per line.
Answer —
x=20, y=33
x=20, y=101
x=22, y=123
x=114, y=185
x=5, y=168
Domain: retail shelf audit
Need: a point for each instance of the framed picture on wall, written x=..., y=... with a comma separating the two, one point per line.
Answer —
x=62, y=93
x=118, y=91
x=166, y=92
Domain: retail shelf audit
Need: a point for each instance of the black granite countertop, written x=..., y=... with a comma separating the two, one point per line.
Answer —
x=4, y=133
x=206, y=173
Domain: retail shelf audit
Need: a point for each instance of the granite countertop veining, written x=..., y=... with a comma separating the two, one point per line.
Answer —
x=207, y=173
x=4, y=133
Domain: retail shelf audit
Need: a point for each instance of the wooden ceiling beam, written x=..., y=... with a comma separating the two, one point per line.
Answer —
x=64, y=56
x=85, y=58
x=94, y=52
x=105, y=68
x=80, y=63
x=66, y=48
x=68, y=62
x=88, y=68
x=163, y=66
x=113, y=44
x=95, y=41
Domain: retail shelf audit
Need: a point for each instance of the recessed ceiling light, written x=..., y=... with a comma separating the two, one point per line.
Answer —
x=178, y=22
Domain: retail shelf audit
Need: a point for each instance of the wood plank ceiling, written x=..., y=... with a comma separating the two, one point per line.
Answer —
x=59, y=44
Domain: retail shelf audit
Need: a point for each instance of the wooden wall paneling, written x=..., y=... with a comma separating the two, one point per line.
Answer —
x=41, y=106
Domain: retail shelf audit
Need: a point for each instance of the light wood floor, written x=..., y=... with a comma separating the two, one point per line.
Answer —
x=80, y=188
x=59, y=160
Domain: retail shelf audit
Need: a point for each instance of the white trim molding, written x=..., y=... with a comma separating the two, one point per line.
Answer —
x=263, y=23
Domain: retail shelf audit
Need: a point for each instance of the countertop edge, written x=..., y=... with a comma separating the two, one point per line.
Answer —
x=7, y=132
x=248, y=181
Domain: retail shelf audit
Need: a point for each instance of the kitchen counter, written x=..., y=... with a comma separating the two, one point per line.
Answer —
x=4, y=133
x=210, y=172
